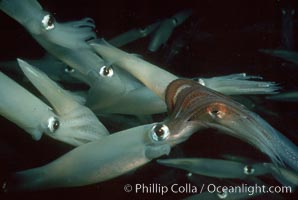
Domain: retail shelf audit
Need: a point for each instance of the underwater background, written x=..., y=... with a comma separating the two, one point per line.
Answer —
x=220, y=38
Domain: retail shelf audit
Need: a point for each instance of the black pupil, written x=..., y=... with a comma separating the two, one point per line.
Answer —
x=69, y=69
x=51, y=20
x=56, y=124
x=159, y=131
x=249, y=169
x=214, y=112
x=106, y=71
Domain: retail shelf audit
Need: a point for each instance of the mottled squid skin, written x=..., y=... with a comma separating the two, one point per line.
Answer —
x=23, y=108
x=219, y=111
x=74, y=123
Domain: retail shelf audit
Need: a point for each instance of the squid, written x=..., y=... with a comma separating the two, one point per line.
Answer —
x=207, y=106
x=166, y=28
x=134, y=34
x=41, y=24
x=67, y=121
x=146, y=73
x=287, y=55
x=219, y=111
x=67, y=42
x=231, y=169
x=288, y=27
x=285, y=96
x=107, y=158
x=55, y=69
x=62, y=40
x=216, y=168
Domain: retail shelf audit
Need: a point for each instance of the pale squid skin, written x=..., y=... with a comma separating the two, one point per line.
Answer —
x=157, y=79
x=23, y=108
x=75, y=123
x=39, y=23
x=108, y=158
x=62, y=40
x=220, y=112
x=66, y=41
x=104, y=159
x=55, y=69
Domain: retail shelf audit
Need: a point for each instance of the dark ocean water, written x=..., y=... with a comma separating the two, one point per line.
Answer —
x=223, y=37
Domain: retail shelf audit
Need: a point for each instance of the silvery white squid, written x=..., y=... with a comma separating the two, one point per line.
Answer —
x=107, y=158
x=105, y=81
x=146, y=73
x=41, y=24
x=67, y=121
x=207, y=106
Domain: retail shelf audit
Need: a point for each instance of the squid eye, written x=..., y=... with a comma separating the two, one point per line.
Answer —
x=248, y=170
x=217, y=111
x=53, y=124
x=106, y=71
x=69, y=70
x=48, y=22
x=159, y=132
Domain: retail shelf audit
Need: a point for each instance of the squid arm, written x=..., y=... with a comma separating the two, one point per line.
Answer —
x=236, y=84
x=157, y=79
x=42, y=24
x=75, y=123
x=105, y=159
